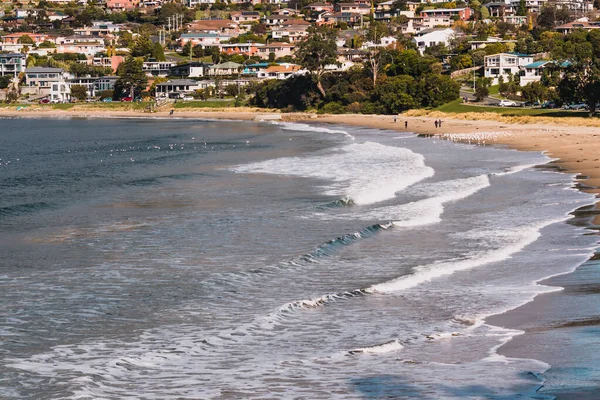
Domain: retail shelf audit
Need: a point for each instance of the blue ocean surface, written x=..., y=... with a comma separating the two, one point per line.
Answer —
x=187, y=259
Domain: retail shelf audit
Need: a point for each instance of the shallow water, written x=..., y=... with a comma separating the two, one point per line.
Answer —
x=201, y=259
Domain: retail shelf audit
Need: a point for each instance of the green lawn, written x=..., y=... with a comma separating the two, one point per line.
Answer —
x=457, y=106
x=205, y=104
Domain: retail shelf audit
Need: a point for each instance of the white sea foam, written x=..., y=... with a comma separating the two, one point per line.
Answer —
x=366, y=172
x=294, y=126
x=422, y=212
x=514, y=241
x=514, y=170
x=393, y=345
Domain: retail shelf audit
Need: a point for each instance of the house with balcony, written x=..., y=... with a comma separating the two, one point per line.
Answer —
x=98, y=29
x=112, y=62
x=228, y=68
x=89, y=82
x=105, y=83
x=90, y=46
x=194, y=3
x=355, y=8
x=569, y=27
x=294, y=30
x=122, y=5
x=432, y=37
x=52, y=83
x=176, y=88
x=245, y=49
x=157, y=68
x=504, y=65
x=203, y=39
x=279, y=49
x=190, y=70
x=215, y=26
x=12, y=64
x=245, y=17
x=441, y=17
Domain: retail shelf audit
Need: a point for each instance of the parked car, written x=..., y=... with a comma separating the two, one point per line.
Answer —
x=549, y=104
x=107, y=100
x=188, y=98
x=576, y=106
x=507, y=103
x=44, y=101
x=127, y=99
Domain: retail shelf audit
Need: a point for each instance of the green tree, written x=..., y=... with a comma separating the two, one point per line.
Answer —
x=132, y=79
x=79, y=92
x=25, y=39
x=482, y=89
x=4, y=81
x=158, y=53
x=534, y=91
x=142, y=46
x=395, y=94
x=522, y=8
x=317, y=51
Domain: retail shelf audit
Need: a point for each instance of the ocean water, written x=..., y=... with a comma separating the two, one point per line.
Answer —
x=190, y=259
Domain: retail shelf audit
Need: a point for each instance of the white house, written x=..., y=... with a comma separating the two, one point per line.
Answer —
x=431, y=37
x=504, y=64
x=203, y=39
x=282, y=71
x=176, y=87
x=157, y=68
x=47, y=82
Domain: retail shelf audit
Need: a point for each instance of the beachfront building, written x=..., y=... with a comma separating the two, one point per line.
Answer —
x=88, y=82
x=504, y=65
x=51, y=83
x=12, y=64
x=105, y=83
x=176, y=88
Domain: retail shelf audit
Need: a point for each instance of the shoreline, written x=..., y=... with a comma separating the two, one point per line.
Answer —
x=575, y=150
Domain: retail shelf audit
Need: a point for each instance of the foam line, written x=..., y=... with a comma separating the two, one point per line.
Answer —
x=363, y=173
x=521, y=237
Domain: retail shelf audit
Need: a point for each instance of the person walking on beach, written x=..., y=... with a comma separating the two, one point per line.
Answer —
x=171, y=112
x=394, y=119
x=405, y=124
x=436, y=123
x=440, y=123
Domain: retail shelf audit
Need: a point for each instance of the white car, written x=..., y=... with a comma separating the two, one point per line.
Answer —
x=507, y=103
x=188, y=98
